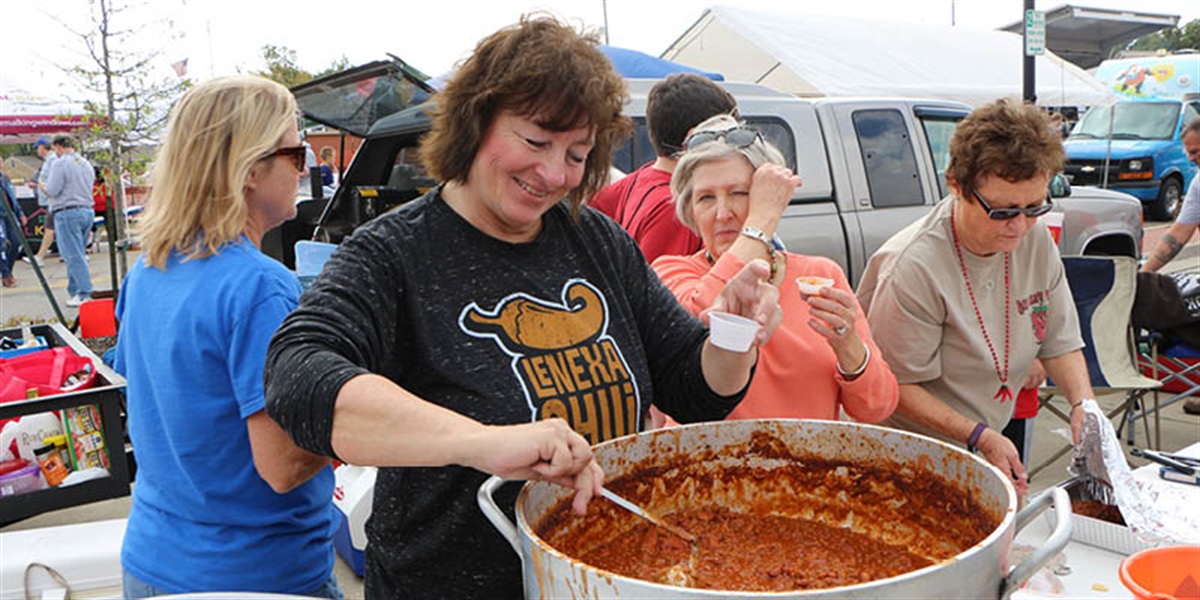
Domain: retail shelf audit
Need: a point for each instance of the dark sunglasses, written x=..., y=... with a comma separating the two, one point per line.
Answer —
x=738, y=137
x=1005, y=214
x=298, y=154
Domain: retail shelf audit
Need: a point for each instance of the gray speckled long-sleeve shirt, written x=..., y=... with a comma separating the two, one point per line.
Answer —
x=573, y=324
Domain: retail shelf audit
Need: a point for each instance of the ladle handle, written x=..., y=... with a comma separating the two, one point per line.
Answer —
x=1058, y=539
x=493, y=513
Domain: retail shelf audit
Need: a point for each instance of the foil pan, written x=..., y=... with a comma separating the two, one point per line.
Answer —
x=1160, y=513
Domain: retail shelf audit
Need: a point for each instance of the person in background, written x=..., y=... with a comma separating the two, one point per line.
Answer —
x=224, y=500
x=1021, y=425
x=101, y=194
x=439, y=375
x=962, y=301
x=304, y=188
x=69, y=186
x=1188, y=221
x=1184, y=227
x=48, y=156
x=1059, y=125
x=328, y=168
x=10, y=242
x=641, y=202
x=731, y=187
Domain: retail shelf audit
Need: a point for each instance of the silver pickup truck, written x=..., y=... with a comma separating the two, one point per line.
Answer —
x=870, y=166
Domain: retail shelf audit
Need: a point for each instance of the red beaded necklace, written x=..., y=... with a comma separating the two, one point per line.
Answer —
x=1004, y=394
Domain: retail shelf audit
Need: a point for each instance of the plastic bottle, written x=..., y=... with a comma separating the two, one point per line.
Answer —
x=60, y=444
x=52, y=464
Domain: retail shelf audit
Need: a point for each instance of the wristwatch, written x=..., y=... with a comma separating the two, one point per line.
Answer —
x=758, y=234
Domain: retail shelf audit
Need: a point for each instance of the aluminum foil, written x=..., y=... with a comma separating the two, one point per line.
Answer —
x=1158, y=512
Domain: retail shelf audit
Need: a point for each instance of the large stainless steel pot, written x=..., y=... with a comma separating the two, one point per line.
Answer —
x=981, y=571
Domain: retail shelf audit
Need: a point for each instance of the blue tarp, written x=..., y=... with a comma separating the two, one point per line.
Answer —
x=627, y=63
x=631, y=63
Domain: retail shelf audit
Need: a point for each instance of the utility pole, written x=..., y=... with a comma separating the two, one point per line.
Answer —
x=1031, y=49
x=604, y=7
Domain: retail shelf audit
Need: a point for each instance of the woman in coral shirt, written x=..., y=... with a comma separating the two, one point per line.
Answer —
x=731, y=187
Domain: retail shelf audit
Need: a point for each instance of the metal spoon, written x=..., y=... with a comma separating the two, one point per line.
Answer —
x=647, y=515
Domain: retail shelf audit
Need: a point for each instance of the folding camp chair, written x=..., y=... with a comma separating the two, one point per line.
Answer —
x=1103, y=288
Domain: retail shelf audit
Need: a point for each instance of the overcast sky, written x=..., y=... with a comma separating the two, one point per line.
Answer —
x=220, y=37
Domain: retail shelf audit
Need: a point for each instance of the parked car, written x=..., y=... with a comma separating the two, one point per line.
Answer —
x=1135, y=147
x=870, y=166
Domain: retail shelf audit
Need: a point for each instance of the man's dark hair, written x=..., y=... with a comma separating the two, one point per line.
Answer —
x=65, y=141
x=679, y=103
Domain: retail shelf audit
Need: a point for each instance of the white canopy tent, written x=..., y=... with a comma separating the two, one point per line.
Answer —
x=818, y=55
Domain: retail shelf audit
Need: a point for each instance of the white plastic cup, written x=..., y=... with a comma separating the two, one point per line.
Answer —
x=731, y=332
x=811, y=286
x=1054, y=222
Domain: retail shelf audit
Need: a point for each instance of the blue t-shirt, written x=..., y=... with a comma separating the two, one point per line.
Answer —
x=192, y=345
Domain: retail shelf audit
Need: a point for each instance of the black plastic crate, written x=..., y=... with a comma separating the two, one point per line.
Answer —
x=108, y=395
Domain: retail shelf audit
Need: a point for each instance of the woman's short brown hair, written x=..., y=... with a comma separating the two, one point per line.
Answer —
x=1011, y=141
x=540, y=68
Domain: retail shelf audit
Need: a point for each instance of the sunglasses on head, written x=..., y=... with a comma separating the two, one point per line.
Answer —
x=738, y=137
x=1005, y=214
x=298, y=155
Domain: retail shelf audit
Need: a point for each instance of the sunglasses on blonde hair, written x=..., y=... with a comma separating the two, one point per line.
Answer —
x=298, y=155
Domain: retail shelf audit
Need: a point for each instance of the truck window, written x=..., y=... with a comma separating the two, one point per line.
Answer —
x=638, y=151
x=938, y=132
x=408, y=174
x=1129, y=121
x=887, y=154
x=778, y=134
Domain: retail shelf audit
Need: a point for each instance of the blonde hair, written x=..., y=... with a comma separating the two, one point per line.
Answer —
x=217, y=132
x=758, y=153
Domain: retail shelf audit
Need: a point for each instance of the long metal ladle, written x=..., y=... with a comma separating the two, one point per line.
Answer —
x=647, y=515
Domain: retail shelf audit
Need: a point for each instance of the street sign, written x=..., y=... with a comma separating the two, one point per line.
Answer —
x=1035, y=32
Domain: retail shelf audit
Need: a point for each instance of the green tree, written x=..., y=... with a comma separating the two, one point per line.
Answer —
x=281, y=66
x=1171, y=39
x=130, y=97
x=341, y=64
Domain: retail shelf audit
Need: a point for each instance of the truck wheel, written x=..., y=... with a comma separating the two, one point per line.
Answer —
x=1166, y=206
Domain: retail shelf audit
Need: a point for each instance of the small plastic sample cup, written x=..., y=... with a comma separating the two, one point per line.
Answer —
x=731, y=332
x=811, y=286
x=1054, y=222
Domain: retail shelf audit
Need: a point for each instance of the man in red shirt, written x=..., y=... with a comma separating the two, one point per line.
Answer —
x=641, y=202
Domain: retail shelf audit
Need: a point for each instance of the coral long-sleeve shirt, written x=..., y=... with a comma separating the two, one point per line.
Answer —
x=796, y=375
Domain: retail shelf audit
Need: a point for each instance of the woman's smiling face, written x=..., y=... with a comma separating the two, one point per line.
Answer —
x=520, y=171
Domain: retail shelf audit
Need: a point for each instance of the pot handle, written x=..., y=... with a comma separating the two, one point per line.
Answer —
x=492, y=511
x=1058, y=539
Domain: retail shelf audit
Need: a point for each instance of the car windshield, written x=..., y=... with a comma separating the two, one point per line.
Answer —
x=1129, y=121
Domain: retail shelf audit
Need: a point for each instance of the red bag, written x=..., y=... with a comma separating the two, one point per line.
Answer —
x=45, y=370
